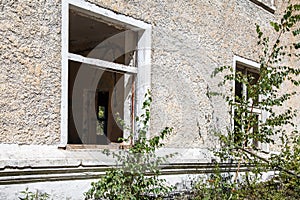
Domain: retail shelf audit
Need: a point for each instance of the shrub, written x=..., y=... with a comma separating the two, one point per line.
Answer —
x=137, y=173
x=235, y=144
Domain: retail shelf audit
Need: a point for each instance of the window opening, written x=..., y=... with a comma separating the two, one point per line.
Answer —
x=241, y=91
x=105, y=73
x=97, y=93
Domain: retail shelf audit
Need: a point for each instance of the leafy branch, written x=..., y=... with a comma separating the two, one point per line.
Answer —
x=137, y=173
x=265, y=93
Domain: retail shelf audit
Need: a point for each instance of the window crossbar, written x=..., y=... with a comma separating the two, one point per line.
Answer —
x=102, y=63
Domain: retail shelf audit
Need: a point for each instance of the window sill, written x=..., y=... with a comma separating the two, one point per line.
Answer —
x=112, y=145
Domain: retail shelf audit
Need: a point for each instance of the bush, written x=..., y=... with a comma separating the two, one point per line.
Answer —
x=235, y=144
x=137, y=173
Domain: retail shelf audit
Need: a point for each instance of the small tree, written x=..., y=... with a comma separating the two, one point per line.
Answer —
x=136, y=175
x=238, y=142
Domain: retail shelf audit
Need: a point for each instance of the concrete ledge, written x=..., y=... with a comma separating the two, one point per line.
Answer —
x=63, y=173
x=24, y=164
x=38, y=156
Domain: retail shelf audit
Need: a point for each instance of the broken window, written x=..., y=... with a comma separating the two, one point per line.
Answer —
x=246, y=126
x=102, y=70
x=241, y=90
x=105, y=73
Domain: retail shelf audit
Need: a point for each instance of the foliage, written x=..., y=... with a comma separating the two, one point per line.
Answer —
x=218, y=186
x=271, y=77
x=137, y=171
x=28, y=195
x=219, y=189
x=264, y=93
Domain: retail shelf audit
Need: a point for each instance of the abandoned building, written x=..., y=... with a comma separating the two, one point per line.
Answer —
x=70, y=69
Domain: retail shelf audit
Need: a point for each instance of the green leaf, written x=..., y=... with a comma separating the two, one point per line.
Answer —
x=275, y=25
x=297, y=45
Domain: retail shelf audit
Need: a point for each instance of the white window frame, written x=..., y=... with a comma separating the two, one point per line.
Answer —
x=237, y=60
x=142, y=70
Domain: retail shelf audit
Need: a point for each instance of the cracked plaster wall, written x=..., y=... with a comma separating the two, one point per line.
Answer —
x=189, y=40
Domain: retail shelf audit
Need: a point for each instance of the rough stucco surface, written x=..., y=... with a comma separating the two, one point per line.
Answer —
x=189, y=40
x=188, y=44
x=30, y=72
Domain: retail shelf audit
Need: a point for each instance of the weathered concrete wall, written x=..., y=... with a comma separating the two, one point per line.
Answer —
x=189, y=40
x=30, y=71
x=188, y=44
x=56, y=190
